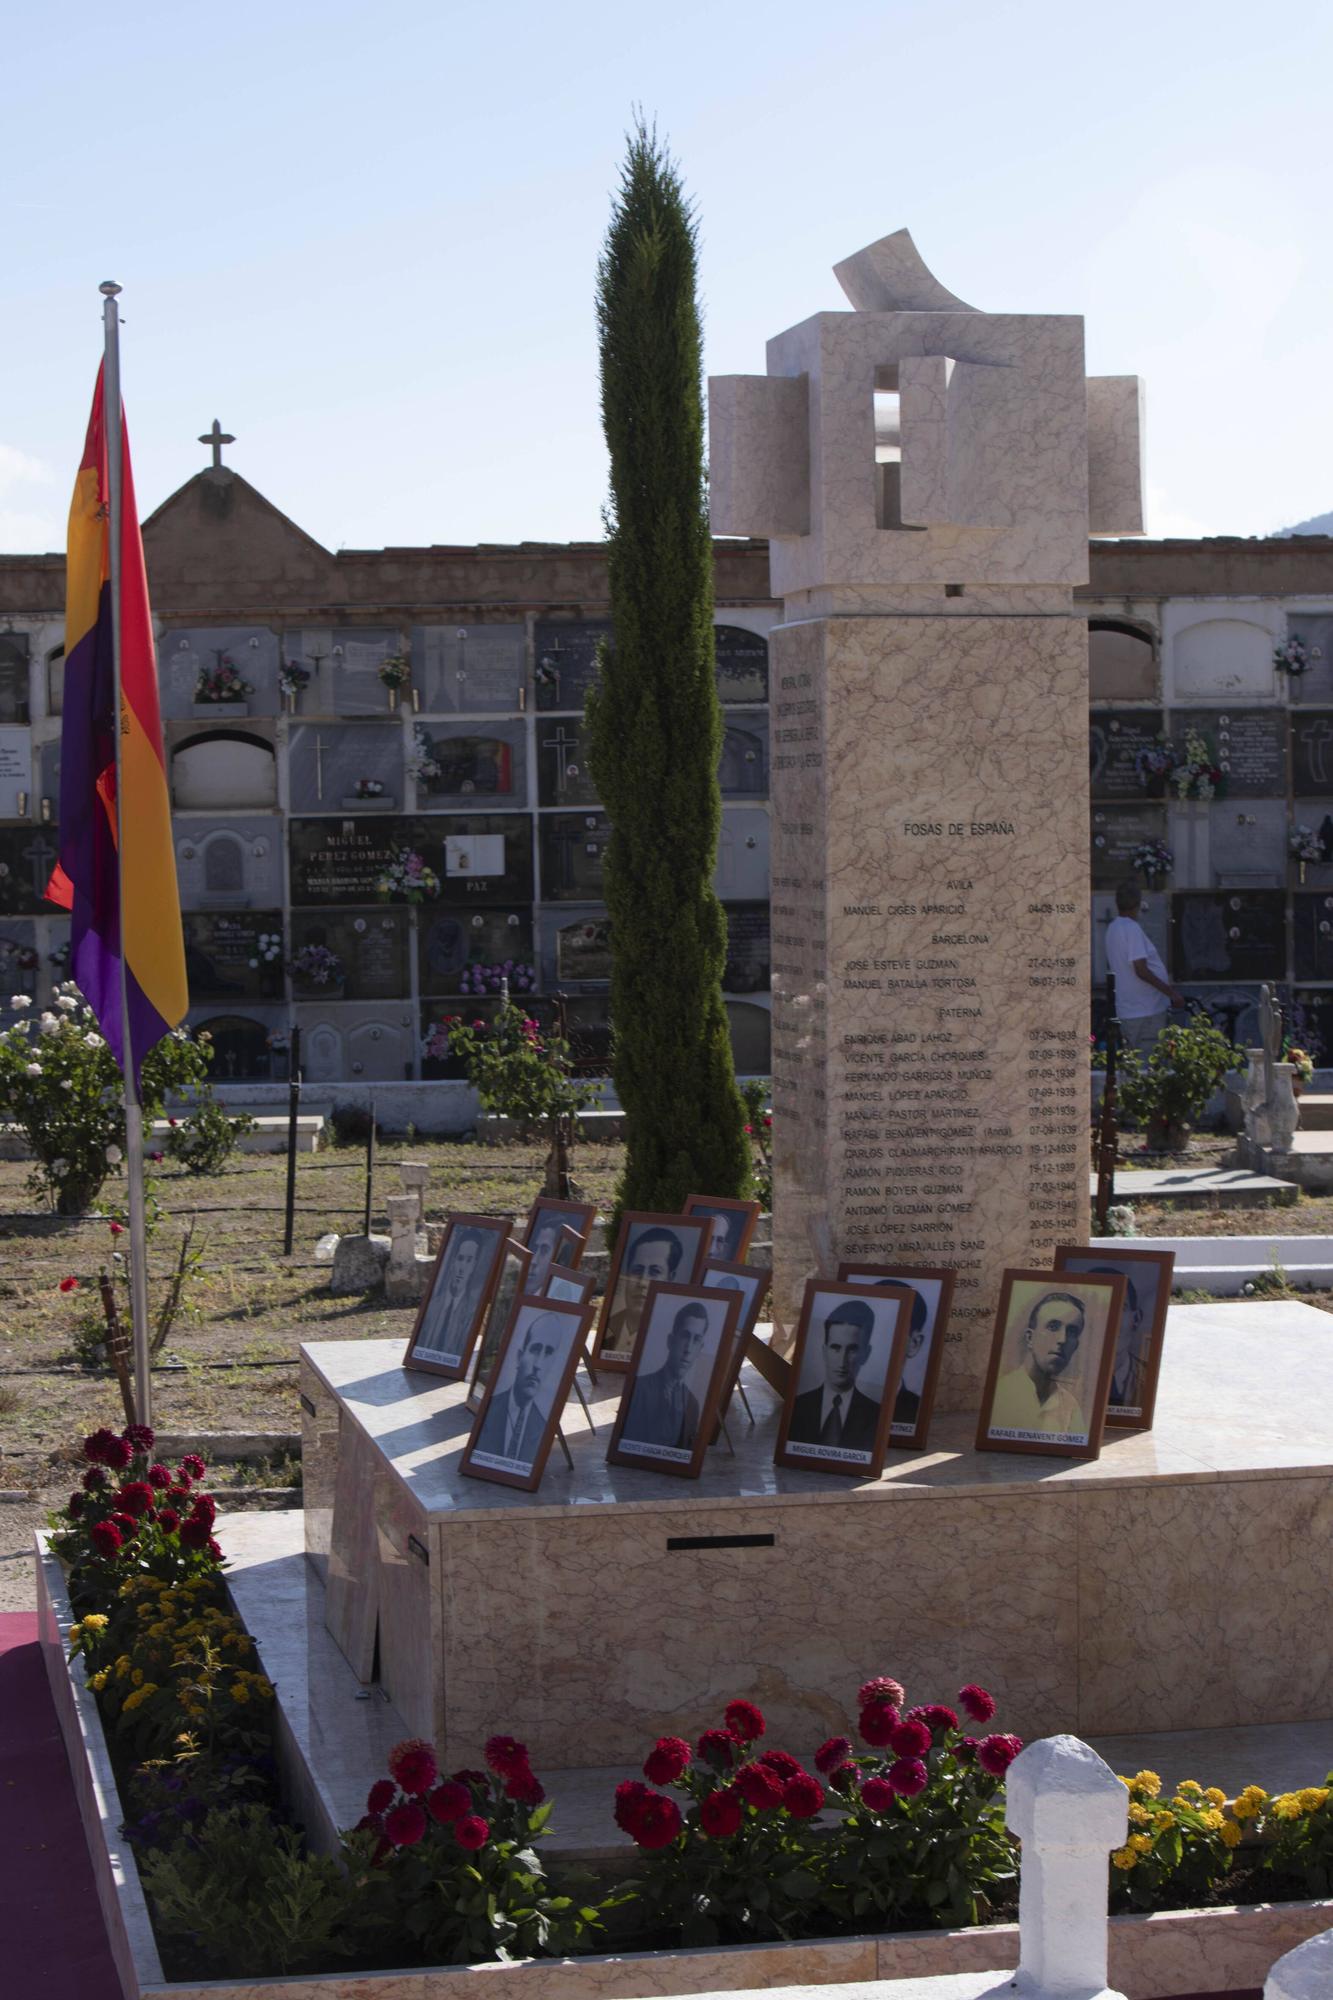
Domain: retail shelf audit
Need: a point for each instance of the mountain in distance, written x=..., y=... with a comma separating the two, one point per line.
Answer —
x=1318, y=524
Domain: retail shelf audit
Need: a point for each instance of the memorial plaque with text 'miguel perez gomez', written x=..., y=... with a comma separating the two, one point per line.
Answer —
x=929, y=772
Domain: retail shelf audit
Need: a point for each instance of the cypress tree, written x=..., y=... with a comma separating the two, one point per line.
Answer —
x=655, y=727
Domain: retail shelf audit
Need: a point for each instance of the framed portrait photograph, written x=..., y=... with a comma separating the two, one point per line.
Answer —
x=515, y=1427
x=1050, y=1363
x=671, y=1399
x=1132, y=1395
x=510, y=1281
x=932, y=1295
x=651, y=1249
x=750, y=1282
x=541, y=1234
x=574, y=1287
x=845, y=1367
x=452, y=1313
x=731, y=1225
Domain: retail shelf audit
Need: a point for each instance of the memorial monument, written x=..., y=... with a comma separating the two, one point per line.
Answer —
x=928, y=476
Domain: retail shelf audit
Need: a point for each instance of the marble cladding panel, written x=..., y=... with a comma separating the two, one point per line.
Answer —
x=759, y=455
x=353, y=1578
x=1115, y=455
x=1122, y=666
x=320, y=1431
x=957, y=981
x=1207, y=1951
x=1234, y=1593
x=413, y=1663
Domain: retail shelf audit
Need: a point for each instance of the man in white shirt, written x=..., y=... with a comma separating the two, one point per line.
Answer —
x=1144, y=996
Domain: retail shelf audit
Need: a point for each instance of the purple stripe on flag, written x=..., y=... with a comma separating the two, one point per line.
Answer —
x=87, y=849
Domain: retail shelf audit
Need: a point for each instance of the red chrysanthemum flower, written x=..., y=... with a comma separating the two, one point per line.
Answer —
x=657, y=1821
x=95, y=1477
x=882, y=1688
x=908, y=1777
x=782, y=1764
x=96, y=1445
x=192, y=1466
x=472, y=1832
x=965, y=1749
x=669, y=1756
x=718, y=1747
x=69, y=1284
x=195, y=1533
x=977, y=1703
x=75, y=1504
x=878, y=1721
x=758, y=1787
x=168, y=1520
x=412, y=1763
x=525, y=1788
x=507, y=1757
x=405, y=1825
x=630, y=1795
x=910, y=1739
x=215, y=1549
x=844, y=1777
x=803, y=1796
x=127, y=1523
x=157, y=1475
x=118, y=1454
x=105, y=1537
x=996, y=1753
x=141, y=1436
x=381, y=1796
x=877, y=1794
x=135, y=1496
x=473, y=1778
x=721, y=1813
x=745, y=1719
x=205, y=1508
x=829, y=1755
x=934, y=1715
x=449, y=1802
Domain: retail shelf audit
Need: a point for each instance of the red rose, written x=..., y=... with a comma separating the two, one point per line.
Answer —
x=744, y=1718
x=195, y=1533
x=908, y=1777
x=721, y=1813
x=157, y=1475
x=878, y=1722
x=449, y=1802
x=666, y=1760
x=658, y=1821
x=381, y=1796
x=829, y=1755
x=758, y=1787
x=803, y=1796
x=996, y=1753
x=525, y=1788
x=136, y=1496
x=782, y=1764
x=141, y=1436
x=412, y=1762
x=192, y=1466
x=69, y=1284
x=105, y=1538
x=910, y=1739
x=404, y=1826
x=75, y=1505
x=168, y=1520
x=934, y=1715
x=94, y=1477
x=117, y=1229
x=843, y=1777
x=978, y=1704
x=507, y=1757
x=718, y=1747
x=472, y=1832
x=877, y=1794
x=882, y=1688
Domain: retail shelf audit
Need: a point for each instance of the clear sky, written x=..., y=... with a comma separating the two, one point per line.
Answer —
x=365, y=238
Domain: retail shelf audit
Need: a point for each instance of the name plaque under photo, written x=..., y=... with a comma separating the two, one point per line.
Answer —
x=1116, y=737
x=1230, y=935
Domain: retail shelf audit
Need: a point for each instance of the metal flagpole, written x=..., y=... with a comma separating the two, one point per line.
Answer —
x=143, y=1388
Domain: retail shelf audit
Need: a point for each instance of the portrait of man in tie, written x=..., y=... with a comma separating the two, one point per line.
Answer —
x=514, y=1426
x=663, y=1408
x=453, y=1309
x=835, y=1412
x=669, y=1410
x=847, y=1366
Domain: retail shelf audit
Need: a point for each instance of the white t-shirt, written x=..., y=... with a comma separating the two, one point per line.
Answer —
x=1126, y=940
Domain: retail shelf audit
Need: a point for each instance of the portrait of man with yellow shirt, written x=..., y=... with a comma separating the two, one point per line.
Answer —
x=1047, y=1387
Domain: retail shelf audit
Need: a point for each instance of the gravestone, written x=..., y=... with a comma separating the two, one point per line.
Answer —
x=1116, y=832
x=741, y=874
x=1312, y=755
x=184, y=653
x=231, y=864
x=480, y=857
x=1122, y=665
x=1250, y=745
x=449, y=942
x=21, y=969
x=751, y=1029
x=248, y=1047
x=576, y=948
x=573, y=849
x=930, y=990
x=27, y=856
x=371, y=944
x=326, y=762
x=14, y=678
x=469, y=669
x=370, y=1044
x=223, y=770
x=1247, y=843
x=341, y=860
x=565, y=655
x=1312, y=1028
x=742, y=771
x=1219, y=657
x=1233, y=1009
x=16, y=795
x=344, y=663
x=1228, y=936
x=742, y=664
x=749, y=952
x=1115, y=740
x=473, y=767
x=1316, y=683
x=1153, y=913
x=234, y=957
x=1312, y=926
x=563, y=777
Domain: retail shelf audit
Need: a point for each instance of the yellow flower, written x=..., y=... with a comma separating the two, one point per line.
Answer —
x=1125, y=1857
x=75, y=1632
x=139, y=1695
x=137, y=1676
x=1139, y=1816
x=1189, y=1788
x=1148, y=1783
x=1163, y=1818
x=1312, y=1797
x=262, y=1687
x=1140, y=1842
x=1213, y=1819
x=1231, y=1834
x=1214, y=1797
x=123, y=1665
x=240, y=1692
x=98, y=1681
x=96, y=1621
x=1254, y=1795
x=1287, y=1806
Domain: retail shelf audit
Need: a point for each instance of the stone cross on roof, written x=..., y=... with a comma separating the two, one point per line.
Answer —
x=217, y=437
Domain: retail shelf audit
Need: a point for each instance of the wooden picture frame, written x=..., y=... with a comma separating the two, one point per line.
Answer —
x=838, y=1323
x=1058, y=1411
x=574, y=1287
x=576, y=1215
x=1132, y=1395
x=750, y=1282
x=932, y=1287
x=543, y=1342
x=631, y=1276
x=740, y=1218
x=685, y=1341
x=444, y=1332
x=511, y=1282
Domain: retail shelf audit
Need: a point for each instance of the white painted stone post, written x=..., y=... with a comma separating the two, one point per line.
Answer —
x=1069, y=1810
x=415, y=1174
x=402, y=1234
x=1305, y=1973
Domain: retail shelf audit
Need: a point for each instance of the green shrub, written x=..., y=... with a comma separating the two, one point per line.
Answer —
x=205, y=1138
x=1169, y=1091
x=516, y=1070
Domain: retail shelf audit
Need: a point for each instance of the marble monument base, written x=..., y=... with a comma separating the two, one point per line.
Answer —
x=1182, y=1581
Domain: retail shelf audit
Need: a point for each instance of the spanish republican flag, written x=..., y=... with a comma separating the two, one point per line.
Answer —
x=134, y=909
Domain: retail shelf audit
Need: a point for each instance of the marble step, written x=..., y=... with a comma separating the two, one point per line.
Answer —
x=1211, y=1187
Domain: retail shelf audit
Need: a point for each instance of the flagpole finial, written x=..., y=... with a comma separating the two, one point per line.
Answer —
x=109, y=289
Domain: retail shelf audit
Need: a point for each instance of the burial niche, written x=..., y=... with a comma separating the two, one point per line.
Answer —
x=1122, y=661
x=240, y=1048
x=224, y=768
